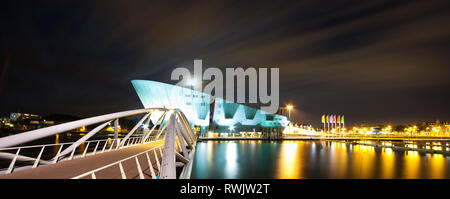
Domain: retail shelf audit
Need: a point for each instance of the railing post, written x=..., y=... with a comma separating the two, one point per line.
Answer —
x=141, y=175
x=106, y=143
x=152, y=171
x=11, y=166
x=122, y=172
x=96, y=146
x=71, y=154
x=112, y=144
x=38, y=158
x=57, y=154
x=85, y=150
x=118, y=142
x=157, y=161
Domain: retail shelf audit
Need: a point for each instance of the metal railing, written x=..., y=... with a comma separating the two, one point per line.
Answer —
x=87, y=148
x=171, y=126
x=139, y=169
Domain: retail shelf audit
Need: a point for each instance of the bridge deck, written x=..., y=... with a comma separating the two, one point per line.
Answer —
x=73, y=168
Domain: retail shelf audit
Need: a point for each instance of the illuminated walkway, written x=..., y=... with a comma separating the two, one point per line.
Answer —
x=144, y=156
x=72, y=168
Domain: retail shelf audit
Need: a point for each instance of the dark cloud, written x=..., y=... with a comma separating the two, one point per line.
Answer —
x=375, y=61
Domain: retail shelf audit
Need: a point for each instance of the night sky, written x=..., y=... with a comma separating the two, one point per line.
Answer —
x=377, y=62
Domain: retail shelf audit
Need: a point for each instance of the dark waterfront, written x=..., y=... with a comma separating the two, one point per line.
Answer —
x=315, y=159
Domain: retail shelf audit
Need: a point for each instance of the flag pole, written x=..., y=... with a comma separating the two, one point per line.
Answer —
x=324, y=126
x=334, y=123
x=339, y=122
x=328, y=124
x=323, y=121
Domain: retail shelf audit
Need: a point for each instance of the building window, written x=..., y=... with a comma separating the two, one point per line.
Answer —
x=269, y=117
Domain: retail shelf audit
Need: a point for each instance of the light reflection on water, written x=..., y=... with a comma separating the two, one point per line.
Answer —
x=313, y=159
x=288, y=161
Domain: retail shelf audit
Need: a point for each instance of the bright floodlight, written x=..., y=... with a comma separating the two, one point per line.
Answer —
x=289, y=107
x=192, y=82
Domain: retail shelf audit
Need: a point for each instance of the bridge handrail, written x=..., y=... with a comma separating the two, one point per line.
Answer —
x=92, y=172
x=56, y=144
x=179, y=138
x=39, y=160
x=52, y=130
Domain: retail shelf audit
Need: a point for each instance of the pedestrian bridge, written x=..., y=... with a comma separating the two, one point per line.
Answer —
x=163, y=152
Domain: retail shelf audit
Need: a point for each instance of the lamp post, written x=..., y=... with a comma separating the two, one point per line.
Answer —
x=289, y=108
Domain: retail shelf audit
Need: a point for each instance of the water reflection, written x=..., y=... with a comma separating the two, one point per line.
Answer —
x=388, y=164
x=412, y=165
x=314, y=159
x=231, y=165
x=438, y=166
x=287, y=165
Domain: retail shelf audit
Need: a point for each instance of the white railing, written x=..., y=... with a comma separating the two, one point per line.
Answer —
x=87, y=148
x=140, y=171
x=179, y=141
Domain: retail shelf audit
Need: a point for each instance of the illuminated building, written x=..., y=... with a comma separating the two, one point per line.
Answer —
x=219, y=115
x=24, y=116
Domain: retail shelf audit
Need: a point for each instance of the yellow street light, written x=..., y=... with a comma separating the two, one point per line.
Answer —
x=289, y=107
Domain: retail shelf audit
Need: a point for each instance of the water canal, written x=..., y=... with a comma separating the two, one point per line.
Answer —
x=305, y=159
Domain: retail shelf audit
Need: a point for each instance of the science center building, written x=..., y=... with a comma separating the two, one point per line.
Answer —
x=220, y=116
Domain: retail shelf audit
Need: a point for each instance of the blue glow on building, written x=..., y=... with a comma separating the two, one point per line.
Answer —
x=196, y=106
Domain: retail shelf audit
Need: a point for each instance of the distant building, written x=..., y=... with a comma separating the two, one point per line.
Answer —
x=24, y=116
x=438, y=123
x=24, y=121
x=440, y=126
x=218, y=116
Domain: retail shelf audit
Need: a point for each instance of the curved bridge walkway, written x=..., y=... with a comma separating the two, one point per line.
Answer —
x=140, y=157
x=73, y=168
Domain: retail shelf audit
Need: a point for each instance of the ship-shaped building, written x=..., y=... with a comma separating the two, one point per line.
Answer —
x=207, y=115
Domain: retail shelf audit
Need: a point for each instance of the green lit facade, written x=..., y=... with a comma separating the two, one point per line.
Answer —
x=197, y=108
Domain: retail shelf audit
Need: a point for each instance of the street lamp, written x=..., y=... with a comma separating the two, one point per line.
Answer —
x=289, y=108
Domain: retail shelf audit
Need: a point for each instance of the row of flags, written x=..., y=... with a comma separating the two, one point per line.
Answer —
x=332, y=119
